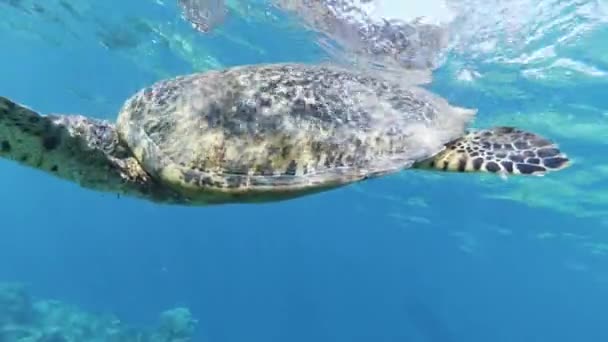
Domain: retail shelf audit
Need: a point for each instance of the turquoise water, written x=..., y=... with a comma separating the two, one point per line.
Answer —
x=416, y=256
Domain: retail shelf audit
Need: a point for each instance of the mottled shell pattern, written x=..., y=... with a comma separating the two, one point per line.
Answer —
x=282, y=127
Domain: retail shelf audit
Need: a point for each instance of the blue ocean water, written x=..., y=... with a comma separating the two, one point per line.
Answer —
x=416, y=256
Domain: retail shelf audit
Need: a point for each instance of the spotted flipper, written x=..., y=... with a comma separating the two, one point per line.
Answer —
x=504, y=150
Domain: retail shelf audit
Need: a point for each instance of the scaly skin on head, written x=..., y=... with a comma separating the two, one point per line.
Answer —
x=83, y=150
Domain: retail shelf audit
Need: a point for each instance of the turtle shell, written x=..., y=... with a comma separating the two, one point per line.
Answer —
x=282, y=128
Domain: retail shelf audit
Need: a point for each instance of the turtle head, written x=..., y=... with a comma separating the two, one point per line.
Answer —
x=77, y=148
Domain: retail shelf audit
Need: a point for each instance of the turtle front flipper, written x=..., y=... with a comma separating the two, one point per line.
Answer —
x=505, y=150
x=76, y=148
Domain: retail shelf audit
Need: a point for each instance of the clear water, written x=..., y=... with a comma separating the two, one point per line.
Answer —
x=416, y=256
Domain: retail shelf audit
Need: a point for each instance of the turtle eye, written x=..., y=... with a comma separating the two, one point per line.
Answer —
x=102, y=131
x=105, y=136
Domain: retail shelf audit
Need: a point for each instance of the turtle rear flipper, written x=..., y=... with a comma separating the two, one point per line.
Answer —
x=76, y=148
x=505, y=150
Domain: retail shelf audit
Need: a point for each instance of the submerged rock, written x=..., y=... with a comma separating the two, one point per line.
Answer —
x=24, y=320
x=176, y=325
x=15, y=305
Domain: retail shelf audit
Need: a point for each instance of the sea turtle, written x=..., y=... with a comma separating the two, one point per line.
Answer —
x=266, y=132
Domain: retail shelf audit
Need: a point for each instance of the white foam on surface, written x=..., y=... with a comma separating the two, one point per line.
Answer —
x=530, y=33
x=435, y=12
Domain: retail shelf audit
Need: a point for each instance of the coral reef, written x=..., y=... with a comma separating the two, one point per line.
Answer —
x=25, y=320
